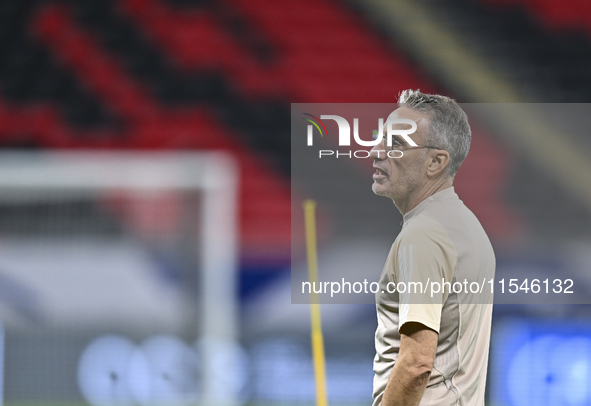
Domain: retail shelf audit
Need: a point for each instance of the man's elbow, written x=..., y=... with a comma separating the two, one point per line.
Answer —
x=419, y=369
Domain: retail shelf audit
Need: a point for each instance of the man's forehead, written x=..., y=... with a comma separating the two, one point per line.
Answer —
x=405, y=112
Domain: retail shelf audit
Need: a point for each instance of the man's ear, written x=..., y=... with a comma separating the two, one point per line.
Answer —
x=439, y=161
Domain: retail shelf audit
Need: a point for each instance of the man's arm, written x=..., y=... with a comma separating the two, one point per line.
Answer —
x=409, y=377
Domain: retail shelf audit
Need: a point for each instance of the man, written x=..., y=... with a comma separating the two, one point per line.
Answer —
x=431, y=347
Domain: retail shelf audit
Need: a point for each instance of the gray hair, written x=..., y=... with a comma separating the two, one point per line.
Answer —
x=448, y=124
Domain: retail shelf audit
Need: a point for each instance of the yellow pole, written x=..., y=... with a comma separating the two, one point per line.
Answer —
x=317, y=340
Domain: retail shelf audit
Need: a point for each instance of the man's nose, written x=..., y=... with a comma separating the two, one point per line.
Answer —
x=377, y=152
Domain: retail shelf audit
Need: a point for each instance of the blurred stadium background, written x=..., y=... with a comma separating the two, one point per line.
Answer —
x=101, y=284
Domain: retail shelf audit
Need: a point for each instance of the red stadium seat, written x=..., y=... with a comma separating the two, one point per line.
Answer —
x=324, y=54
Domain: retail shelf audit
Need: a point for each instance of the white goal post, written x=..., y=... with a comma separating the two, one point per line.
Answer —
x=31, y=175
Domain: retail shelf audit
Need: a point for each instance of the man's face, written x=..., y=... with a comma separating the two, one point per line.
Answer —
x=398, y=177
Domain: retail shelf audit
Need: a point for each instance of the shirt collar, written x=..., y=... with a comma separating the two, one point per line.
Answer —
x=445, y=194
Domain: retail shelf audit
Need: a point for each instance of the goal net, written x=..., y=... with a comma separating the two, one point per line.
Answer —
x=118, y=277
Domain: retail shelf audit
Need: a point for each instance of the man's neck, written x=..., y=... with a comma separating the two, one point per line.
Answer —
x=422, y=193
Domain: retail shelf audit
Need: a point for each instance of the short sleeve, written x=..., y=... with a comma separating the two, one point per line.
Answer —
x=426, y=256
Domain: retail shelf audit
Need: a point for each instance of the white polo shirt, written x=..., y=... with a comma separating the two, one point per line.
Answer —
x=441, y=240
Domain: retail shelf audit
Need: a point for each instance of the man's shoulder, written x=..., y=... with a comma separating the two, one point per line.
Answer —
x=454, y=216
x=423, y=227
x=462, y=227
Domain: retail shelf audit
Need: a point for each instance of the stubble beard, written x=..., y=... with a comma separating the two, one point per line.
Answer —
x=403, y=185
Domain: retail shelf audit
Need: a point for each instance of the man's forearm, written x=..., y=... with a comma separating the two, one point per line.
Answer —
x=407, y=383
